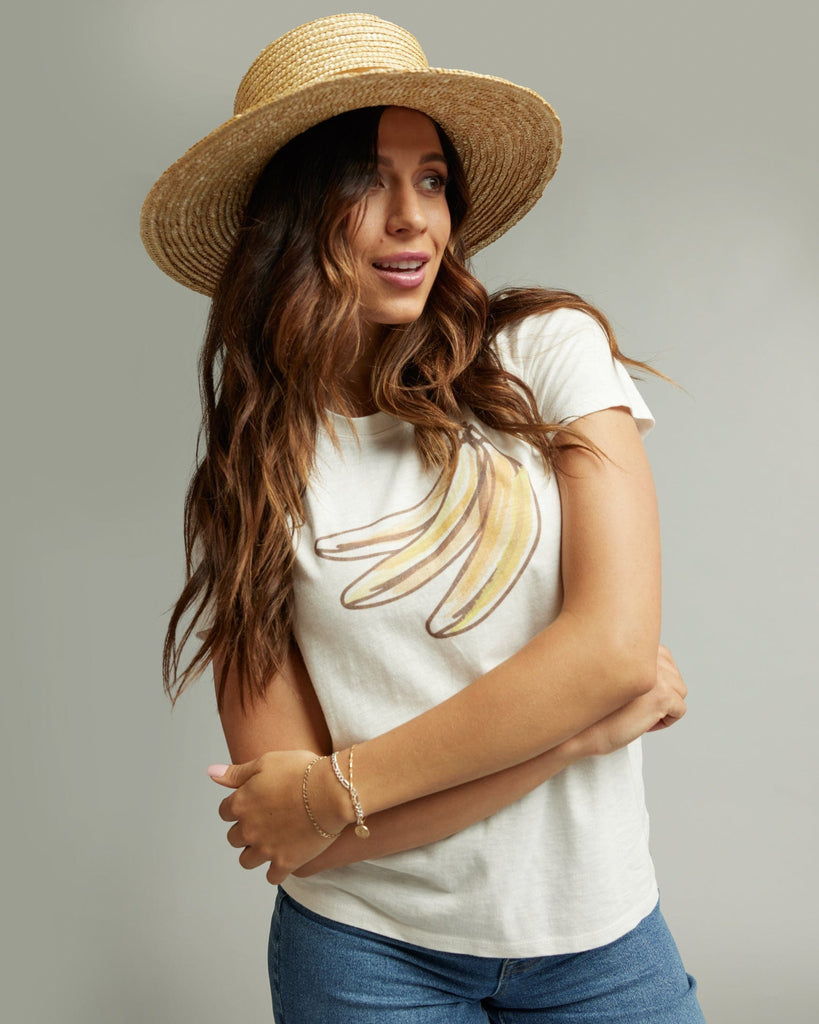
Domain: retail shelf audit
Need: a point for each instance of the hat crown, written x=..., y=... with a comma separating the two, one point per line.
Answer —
x=508, y=137
x=325, y=49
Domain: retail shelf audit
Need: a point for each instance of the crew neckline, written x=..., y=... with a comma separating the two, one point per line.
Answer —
x=363, y=426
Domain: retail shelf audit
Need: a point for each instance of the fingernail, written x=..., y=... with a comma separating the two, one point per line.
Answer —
x=216, y=771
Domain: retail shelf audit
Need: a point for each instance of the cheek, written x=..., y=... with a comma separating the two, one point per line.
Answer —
x=355, y=228
x=444, y=227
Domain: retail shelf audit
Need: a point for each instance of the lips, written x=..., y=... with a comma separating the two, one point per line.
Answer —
x=403, y=269
x=399, y=264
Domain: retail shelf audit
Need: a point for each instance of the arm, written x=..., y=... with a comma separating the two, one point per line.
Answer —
x=443, y=814
x=291, y=716
x=596, y=657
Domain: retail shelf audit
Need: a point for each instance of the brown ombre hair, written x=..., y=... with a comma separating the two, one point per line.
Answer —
x=282, y=333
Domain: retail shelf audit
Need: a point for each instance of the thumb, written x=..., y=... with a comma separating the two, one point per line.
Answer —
x=232, y=775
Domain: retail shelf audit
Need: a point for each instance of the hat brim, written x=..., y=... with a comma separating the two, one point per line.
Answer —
x=508, y=138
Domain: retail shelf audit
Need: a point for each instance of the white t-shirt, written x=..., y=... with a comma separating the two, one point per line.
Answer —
x=404, y=594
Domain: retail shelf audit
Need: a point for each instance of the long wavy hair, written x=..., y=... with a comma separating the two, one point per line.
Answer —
x=282, y=332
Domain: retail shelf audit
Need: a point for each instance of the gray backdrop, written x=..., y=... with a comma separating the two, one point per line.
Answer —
x=685, y=205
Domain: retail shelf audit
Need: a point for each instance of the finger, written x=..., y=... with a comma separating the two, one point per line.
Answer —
x=232, y=775
x=678, y=711
x=236, y=838
x=226, y=811
x=678, y=683
x=250, y=858
x=664, y=723
x=275, y=875
x=666, y=662
x=672, y=715
x=668, y=674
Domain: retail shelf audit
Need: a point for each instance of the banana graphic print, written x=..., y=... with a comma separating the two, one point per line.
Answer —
x=508, y=536
x=385, y=536
x=488, y=513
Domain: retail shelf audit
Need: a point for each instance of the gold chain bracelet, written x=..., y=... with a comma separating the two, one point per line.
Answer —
x=315, y=824
x=361, y=829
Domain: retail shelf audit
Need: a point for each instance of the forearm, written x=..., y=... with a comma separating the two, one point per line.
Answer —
x=599, y=654
x=551, y=690
x=440, y=815
x=263, y=821
x=596, y=657
x=443, y=814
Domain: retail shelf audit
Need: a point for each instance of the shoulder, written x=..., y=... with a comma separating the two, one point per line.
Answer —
x=565, y=358
x=550, y=336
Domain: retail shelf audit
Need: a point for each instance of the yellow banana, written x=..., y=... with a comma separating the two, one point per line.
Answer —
x=488, y=512
x=385, y=535
x=451, y=530
x=509, y=535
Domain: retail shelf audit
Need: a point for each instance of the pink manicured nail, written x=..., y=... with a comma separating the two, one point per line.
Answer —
x=216, y=771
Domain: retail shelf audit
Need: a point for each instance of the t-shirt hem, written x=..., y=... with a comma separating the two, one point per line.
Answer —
x=505, y=948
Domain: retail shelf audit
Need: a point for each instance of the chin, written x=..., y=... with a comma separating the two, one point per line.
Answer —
x=395, y=317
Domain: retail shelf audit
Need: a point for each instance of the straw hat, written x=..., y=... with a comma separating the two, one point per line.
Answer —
x=507, y=137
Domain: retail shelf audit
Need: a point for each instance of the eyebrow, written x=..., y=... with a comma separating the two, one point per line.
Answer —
x=425, y=159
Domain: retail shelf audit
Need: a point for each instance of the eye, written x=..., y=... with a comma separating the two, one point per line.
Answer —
x=433, y=182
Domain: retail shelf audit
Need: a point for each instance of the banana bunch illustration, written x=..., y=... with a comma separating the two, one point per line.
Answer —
x=488, y=514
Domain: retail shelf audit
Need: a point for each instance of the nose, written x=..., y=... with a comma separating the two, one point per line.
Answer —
x=406, y=212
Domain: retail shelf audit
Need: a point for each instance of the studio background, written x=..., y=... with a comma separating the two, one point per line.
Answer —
x=685, y=206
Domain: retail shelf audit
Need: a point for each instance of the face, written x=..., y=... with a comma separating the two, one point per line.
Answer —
x=399, y=233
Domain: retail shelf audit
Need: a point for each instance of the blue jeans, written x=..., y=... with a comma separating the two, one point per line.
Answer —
x=322, y=972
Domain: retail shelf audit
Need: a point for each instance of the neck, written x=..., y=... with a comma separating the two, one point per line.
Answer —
x=356, y=382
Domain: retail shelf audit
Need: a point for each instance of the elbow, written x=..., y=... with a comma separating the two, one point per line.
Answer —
x=631, y=667
x=624, y=661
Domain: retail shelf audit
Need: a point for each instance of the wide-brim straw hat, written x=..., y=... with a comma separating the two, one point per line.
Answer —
x=507, y=136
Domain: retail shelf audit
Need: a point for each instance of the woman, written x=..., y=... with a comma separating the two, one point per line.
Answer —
x=422, y=538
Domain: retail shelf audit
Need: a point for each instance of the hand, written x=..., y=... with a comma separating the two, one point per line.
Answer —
x=669, y=678
x=662, y=706
x=268, y=809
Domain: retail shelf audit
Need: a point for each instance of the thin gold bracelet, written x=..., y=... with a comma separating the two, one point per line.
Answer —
x=361, y=829
x=315, y=824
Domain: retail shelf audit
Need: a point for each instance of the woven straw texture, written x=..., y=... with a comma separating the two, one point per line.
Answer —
x=507, y=137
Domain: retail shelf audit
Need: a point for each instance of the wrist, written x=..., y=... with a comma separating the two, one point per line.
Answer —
x=330, y=804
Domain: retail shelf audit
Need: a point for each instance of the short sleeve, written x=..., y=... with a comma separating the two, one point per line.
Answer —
x=564, y=357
